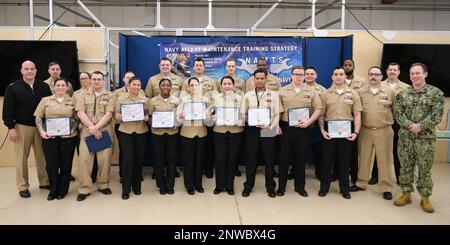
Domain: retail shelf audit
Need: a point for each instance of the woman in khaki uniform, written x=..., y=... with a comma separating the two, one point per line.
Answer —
x=193, y=139
x=227, y=139
x=164, y=140
x=58, y=150
x=132, y=139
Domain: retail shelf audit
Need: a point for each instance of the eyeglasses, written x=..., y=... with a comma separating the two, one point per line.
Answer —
x=296, y=74
x=375, y=74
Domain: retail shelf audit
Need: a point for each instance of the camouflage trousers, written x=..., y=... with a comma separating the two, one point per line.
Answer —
x=412, y=152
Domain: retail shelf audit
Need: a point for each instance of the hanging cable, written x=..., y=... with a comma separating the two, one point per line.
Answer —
x=59, y=17
x=367, y=30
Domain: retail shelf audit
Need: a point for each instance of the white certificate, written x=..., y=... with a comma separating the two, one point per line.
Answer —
x=339, y=128
x=132, y=112
x=58, y=126
x=194, y=111
x=227, y=116
x=297, y=115
x=259, y=116
x=163, y=119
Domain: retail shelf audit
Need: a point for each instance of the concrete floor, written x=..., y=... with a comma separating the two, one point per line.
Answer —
x=366, y=207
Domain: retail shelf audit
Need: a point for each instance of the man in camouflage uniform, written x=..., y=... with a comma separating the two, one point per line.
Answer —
x=418, y=110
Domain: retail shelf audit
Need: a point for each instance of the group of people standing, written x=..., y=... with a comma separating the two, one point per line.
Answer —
x=378, y=114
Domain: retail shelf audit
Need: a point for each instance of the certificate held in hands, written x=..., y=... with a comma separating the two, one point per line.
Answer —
x=227, y=116
x=58, y=126
x=94, y=145
x=298, y=115
x=194, y=111
x=132, y=112
x=339, y=128
x=259, y=116
x=163, y=119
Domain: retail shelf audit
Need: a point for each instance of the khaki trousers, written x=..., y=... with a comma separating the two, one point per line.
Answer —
x=86, y=162
x=29, y=136
x=382, y=141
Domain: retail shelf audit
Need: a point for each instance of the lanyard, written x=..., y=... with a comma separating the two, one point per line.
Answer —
x=258, y=98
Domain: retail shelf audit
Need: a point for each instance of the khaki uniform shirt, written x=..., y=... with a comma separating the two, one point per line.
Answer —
x=341, y=106
x=138, y=127
x=377, y=108
x=51, y=84
x=239, y=86
x=152, y=88
x=222, y=100
x=398, y=88
x=158, y=103
x=267, y=99
x=190, y=129
x=306, y=97
x=96, y=106
x=78, y=92
x=273, y=83
x=50, y=107
x=208, y=85
x=357, y=82
x=318, y=88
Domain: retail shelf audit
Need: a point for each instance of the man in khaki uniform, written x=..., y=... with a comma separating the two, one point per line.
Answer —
x=94, y=108
x=208, y=89
x=376, y=133
x=392, y=81
x=165, y=68
x=340, y=103
x=273, y=82
x=239, y=83
x=20, y=102
x=261, y=139
x=295, y=140
x=54, y=69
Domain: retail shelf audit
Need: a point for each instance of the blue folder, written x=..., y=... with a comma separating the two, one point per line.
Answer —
x=94, y=145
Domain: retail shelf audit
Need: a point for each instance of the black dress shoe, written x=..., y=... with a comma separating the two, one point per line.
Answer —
x=355, y=188
x=303, y=193
x=271, y=194
x=217, y=191
x=190, y=192
x=373, y=181
x=59, y=197
x=162, y=192
x=245, y=193
x=51, y=197
x=82, y=197
x=47, y=187
x=200, y=189
x=170, y=192
x=125, y=196
x=177, y=174
x=137, y=192
x=237, y=173
x=105, y=191
x=230, y=192
x=72, y=178
x=290, y=175
x=346, y=195
x=387, y=195
x=280, y=193
x=322, y=193
x=25, y=194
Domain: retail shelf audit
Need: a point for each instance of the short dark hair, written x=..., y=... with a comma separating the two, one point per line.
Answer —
x=353, y=62
x=165, y=79
x=376, y=67
x=262, y=59
x=230, y=59
x=99, y=73
x=85, y=72
x=193, y=78
x=227, y=77
x=61, y=79
x=53, y=63
x=261, y=70
x=394, y=64
x=128, y=72
x=198, y=59
x=311, y=68
x=134, y=78
x=337, y=68
x=297, y=68
x=165, y=58
x=424, y=67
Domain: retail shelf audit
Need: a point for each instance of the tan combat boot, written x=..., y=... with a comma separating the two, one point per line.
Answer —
x=403, y=199
x=426, y=204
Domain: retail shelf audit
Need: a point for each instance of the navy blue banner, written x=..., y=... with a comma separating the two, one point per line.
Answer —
x=282, y=56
